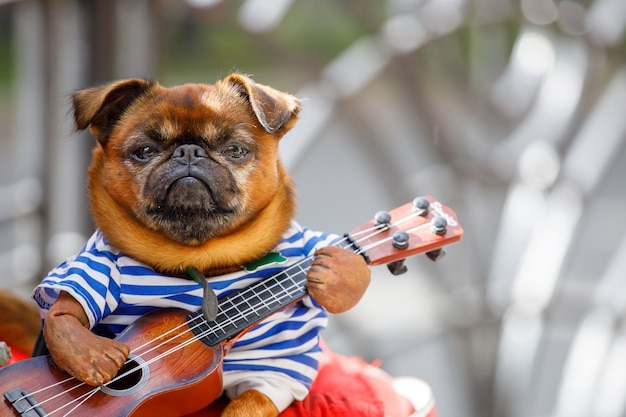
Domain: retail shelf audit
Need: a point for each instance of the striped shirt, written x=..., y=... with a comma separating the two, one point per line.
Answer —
x=279, y=356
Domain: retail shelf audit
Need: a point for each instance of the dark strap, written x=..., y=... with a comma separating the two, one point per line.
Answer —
x=40, y=349
x=209, y=299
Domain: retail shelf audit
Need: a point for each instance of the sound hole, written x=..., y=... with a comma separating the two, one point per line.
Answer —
x=130, y=379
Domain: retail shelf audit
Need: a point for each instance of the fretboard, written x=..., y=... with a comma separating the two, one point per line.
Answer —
x=248, y=306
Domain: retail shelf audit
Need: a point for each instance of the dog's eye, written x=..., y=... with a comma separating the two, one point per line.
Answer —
x=144, y=153
x=235, y=151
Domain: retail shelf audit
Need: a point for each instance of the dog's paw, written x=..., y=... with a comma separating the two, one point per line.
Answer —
x=337, y=278
x=251, y=403
x=92, y=359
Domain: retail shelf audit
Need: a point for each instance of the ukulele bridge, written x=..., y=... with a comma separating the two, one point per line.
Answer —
x=24, y=403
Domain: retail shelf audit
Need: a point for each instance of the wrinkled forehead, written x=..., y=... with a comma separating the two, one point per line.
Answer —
x=194, y=110
x=192, y=96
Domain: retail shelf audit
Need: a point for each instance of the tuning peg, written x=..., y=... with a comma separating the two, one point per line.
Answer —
x=436, y=255
x=439, y=225
x=382, y=219
x=420, y=206
x=397, y=267
x=401, y=239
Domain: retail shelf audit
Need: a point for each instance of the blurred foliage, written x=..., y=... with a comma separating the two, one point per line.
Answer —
x=310, y=35
x=196, y=42
x=7, y=68
x=322, y=30
x=194, y=47
x=6, y=58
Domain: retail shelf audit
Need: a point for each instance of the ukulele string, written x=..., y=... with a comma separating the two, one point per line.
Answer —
x=68, y=379
x=389, y=238
x=38, y=404
x=67, y=404
x=81, y=399
x=87, y=397
x=373, y=231
x=378, y=229
x=151, y=341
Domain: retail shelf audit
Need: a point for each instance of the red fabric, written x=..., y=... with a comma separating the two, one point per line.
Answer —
x=349, y=387
x=17, y=355
x=344, y=387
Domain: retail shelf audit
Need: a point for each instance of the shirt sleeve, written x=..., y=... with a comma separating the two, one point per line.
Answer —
x=315, y=240
x=91, y=277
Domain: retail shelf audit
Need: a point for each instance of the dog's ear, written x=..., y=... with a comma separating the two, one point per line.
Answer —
x=101, y=107
x=275, y=110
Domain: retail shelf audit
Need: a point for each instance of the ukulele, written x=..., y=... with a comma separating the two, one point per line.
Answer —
x=175, y=363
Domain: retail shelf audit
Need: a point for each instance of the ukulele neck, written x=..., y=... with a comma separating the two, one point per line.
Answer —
x=421, y=226
x=241, y=309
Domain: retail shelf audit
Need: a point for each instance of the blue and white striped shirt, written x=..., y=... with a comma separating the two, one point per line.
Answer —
x=278, y=356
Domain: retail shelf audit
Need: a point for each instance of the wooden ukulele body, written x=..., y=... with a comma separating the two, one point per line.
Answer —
x=170, y=375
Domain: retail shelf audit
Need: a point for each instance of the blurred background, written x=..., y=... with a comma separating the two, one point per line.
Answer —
x=511, y=112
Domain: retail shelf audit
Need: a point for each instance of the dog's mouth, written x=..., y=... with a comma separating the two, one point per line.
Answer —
x=189, y=211
x=189, y=192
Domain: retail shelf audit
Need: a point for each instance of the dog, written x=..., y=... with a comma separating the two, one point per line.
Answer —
x=190, y=177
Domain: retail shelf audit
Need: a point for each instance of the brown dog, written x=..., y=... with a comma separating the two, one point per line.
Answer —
x=184, y=177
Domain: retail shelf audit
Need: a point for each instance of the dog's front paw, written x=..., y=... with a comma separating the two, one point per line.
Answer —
x=337, y=278
x=251, y=403
x=92, y=359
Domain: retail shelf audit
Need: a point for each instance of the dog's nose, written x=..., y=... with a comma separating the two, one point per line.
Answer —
x=189, y=154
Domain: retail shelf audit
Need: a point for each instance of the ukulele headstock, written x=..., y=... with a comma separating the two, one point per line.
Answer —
x=423, y=226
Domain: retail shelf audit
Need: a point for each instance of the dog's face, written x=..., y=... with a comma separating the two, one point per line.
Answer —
x=191, y=162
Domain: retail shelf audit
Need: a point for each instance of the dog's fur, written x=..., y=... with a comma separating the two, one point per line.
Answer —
x=19, y=321
x=189, y=176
